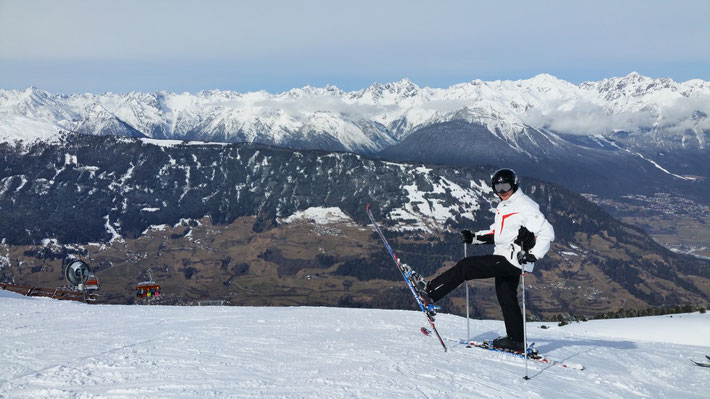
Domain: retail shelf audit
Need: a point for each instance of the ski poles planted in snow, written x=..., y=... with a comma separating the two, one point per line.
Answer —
x=525, y=329
x=468, y=320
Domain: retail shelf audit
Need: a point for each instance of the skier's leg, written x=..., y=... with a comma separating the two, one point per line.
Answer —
x=473, y=267
x=507, y=293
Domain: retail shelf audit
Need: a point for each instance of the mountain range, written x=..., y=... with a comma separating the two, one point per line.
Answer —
x=655, y=129
x=668, y=113
x=127, y=181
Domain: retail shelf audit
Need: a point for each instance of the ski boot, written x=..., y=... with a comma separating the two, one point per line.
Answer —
x=508, y=345
x=421, y=285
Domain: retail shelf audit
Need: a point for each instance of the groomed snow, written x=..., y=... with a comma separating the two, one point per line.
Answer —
x=55, y=349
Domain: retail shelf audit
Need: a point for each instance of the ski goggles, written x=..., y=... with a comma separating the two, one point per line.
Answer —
x=502, y=187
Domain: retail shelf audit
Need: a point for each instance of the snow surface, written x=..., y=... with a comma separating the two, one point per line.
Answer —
x=428, y=213
x=320, y=215
x=59, y=349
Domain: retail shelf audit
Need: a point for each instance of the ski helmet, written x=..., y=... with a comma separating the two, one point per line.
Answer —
x=504, y=180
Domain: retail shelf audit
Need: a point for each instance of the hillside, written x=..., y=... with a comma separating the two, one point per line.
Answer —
x=53, y=349
x=241, y=223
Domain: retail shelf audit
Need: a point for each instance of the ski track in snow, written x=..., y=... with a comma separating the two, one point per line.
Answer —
x=57, y=349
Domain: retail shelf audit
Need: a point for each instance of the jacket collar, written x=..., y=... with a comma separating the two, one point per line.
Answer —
x=517, y=194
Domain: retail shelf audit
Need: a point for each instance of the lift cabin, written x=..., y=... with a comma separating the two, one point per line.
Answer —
x=148, y=290
x=92, y=283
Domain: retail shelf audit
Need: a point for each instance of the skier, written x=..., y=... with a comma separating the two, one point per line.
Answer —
x=521, y=235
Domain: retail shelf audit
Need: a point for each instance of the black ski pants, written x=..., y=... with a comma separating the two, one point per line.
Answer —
x=486, y=266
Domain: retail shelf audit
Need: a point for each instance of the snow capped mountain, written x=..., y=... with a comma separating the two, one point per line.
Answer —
x=376, y=117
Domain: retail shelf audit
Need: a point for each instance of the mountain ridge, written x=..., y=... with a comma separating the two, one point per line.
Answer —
x=373, y=118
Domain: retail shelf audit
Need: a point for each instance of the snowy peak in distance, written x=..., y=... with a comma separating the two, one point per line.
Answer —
x=634, y=84
x=373, y=118
x=390, y=93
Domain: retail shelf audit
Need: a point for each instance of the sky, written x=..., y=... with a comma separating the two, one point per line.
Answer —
x=75, y=46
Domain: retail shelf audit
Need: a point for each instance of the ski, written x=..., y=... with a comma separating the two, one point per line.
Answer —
x=427, y=308
x=701, y=364
x=532, y=353
x=707, y=357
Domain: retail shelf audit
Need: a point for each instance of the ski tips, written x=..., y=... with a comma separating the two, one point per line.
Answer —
x=701, y=364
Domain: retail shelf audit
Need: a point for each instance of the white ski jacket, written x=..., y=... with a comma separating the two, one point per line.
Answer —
x=517, y=211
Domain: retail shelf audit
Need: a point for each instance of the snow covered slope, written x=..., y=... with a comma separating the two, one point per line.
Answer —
x=52, y=349
x=373, y=118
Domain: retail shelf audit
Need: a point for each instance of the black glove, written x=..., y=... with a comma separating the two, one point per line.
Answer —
x=524, y=257
x=525, y=239
x=466, y=237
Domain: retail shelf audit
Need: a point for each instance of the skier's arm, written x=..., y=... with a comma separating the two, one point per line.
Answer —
x=544, y=234
x=481, y=237
x=485, y=237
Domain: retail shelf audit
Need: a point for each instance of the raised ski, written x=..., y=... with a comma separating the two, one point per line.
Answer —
x=428, y=309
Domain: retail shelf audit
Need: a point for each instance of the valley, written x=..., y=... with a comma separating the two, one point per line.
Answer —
x=677, y=223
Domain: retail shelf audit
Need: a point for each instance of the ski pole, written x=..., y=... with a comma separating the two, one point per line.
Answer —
x=468, y=322
x=525, y=330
